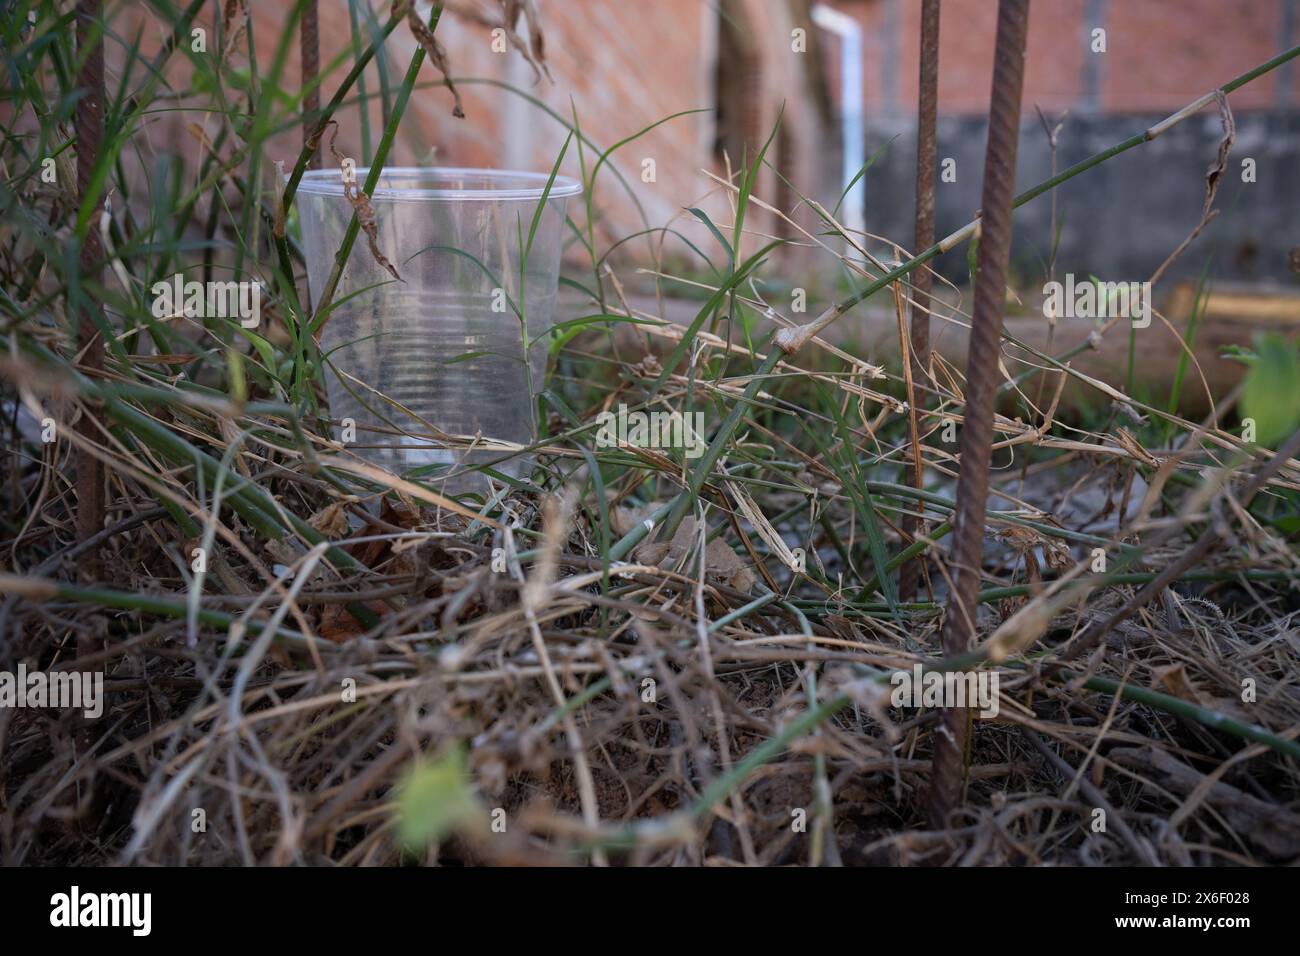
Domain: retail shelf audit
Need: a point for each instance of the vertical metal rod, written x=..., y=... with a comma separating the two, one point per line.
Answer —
x=309, y=47
x=89, y=122
x=926, y=120
x=951, y=739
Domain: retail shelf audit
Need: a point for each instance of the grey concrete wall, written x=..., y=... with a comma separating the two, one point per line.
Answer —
x=1123, y=218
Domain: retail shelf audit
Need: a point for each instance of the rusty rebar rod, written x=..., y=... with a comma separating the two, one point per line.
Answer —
x=309, y=47
x=89, y=122
x=926, y=120
x=966, y=558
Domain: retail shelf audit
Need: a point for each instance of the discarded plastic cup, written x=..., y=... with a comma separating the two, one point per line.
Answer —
x=436, y=374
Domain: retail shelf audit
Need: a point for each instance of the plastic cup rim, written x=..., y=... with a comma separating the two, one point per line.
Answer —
x=505, y=184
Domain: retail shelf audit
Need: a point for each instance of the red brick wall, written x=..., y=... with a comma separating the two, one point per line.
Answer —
x=623, y=65
x=1168, y=54
x=1160, y=54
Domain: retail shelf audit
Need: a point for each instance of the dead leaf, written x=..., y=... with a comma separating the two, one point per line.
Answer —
x=331, y=521
x=1214, y=175
x=282, y=552
x=622, y=519
x=233, y=36
x=354, y=194
x=434, y=50
x=339, y=626
x=842, y=627
x=1175, y=680
x=374, y=554
x=758, y=521
x=650, y=552
x=721, y=564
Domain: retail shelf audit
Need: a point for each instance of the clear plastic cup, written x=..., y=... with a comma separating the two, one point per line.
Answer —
x=458, y=346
